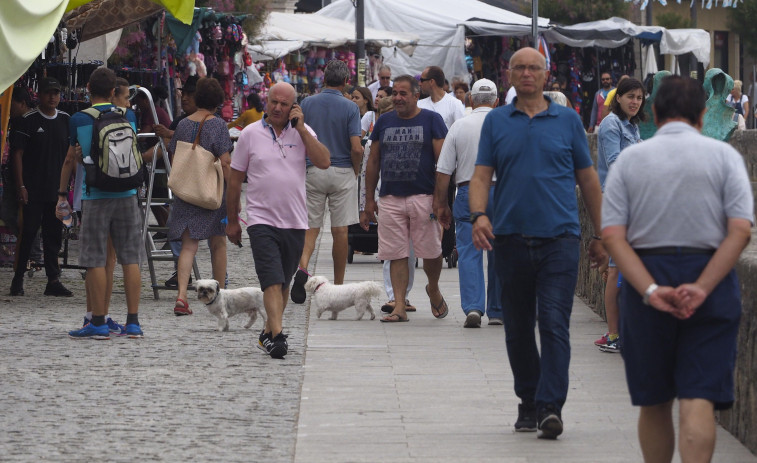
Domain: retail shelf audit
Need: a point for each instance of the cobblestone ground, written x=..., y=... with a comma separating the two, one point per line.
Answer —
x=183, y=393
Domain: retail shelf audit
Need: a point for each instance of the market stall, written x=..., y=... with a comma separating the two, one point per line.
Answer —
x=303, y=43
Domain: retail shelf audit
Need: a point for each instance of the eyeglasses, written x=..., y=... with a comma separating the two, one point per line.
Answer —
x=532, y=68
x=426, y=79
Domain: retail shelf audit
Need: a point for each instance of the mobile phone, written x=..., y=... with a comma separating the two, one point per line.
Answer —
x=294, y=120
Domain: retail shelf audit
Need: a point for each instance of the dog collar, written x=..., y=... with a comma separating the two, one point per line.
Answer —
x=316, y=288
x=214, y=299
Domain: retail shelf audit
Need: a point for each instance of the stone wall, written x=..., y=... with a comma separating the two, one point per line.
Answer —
x=741, y=420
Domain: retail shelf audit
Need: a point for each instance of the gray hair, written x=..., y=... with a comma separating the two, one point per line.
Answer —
x=483, y=99
x=336, y=73
x=384, y=67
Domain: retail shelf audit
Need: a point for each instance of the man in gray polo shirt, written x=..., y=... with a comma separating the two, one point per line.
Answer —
x=677, y=212
x=336, y=120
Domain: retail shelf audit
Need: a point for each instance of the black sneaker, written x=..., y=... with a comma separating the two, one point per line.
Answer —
x=264, y=340
x=298, y=287
x=279, y=346
x=17, y=286
x=56, y=288
x=173, y=282
x=550, y=422
x=526, y=418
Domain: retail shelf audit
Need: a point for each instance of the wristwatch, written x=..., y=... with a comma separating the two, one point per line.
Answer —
x=648, y=293
x=475, y=215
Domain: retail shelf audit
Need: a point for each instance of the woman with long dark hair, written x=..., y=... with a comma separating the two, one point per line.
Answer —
x=618, y=130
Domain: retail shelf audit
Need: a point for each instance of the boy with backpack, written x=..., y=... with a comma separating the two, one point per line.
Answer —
x=113, y=169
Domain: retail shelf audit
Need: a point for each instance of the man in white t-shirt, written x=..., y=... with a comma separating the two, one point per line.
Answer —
x=439, y=101
x=459, y=154
x=384, y=80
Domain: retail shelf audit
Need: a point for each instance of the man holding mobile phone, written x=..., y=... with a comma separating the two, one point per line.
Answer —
x=271, y=154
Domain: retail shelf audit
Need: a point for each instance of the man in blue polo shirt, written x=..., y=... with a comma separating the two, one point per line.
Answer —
x=539, y=152
x=336, y=120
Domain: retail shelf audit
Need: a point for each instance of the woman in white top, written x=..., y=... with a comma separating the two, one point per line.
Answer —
x=362, y=98
x=738, y=100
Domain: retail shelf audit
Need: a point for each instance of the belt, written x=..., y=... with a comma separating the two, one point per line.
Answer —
x=673, y=250
x=462, y=184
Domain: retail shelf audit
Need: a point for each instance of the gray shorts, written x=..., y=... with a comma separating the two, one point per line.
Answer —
x=338, y=186
x=121, y=218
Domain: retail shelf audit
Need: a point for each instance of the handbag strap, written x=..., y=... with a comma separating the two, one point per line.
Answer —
x=197, y=138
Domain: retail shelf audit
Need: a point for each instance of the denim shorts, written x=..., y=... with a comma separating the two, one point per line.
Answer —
x=667, y=358
x=276, y=253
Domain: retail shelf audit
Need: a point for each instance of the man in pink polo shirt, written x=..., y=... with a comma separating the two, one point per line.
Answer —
x=271, y=154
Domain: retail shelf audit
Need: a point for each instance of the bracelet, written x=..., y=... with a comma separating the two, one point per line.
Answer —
x=63, y=193
x=23, y=186
x=595, y=237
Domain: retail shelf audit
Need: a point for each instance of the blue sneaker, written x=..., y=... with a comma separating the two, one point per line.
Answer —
x=132, y=331
x=87, y=321
x=114, y=327
x=100, y=333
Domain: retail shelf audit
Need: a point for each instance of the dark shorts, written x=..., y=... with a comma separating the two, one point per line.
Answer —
x=667, y=358
x=276, y=253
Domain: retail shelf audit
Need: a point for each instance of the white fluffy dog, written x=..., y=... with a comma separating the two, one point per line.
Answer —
x=225, y=303
x=338, y=297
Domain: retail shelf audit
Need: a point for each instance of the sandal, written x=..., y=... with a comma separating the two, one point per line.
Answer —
x=441, y=308
x=181, y=308
x=389, y=307
x=393, y=318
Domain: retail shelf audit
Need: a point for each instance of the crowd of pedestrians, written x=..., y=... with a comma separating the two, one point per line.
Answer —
x=673, y=213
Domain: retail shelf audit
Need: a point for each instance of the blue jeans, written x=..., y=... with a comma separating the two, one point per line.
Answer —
x=543, y=270
x=474, y=295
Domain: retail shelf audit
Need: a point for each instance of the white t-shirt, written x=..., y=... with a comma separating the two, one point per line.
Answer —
x=366, y=122
x=744, y=100
x=449, y=107
x=460, y=148
x=511, y=94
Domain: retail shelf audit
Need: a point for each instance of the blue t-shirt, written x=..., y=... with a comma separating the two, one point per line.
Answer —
x=408, y=164
x=334, y=119
x=80, y=131
x=535, y=160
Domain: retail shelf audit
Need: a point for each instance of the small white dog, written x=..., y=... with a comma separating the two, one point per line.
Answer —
x=336, y=298
x=225, y=303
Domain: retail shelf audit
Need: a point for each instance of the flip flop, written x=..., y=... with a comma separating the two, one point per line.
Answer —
x=393, y=318
x=441, y=309
x=389, y=307
x=181, y=308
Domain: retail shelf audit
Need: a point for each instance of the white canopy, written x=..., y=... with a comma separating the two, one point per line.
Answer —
x=441, y=25
x=614, y=32
x=284, y=33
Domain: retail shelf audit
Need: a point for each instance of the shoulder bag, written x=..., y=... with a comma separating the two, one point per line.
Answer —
x=196, y=174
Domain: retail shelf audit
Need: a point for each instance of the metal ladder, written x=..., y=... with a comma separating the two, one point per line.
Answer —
x=153, y=253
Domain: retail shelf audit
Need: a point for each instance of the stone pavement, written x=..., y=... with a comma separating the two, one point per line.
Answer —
x=349, y=391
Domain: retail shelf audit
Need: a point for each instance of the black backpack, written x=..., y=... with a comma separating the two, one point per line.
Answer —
x=116, y=161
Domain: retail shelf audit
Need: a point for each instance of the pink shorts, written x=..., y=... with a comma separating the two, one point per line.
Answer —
x=402, y=219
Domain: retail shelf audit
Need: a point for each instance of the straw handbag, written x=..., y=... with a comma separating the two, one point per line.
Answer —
x=196, y=175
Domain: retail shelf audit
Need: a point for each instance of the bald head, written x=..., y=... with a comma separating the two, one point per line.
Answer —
x=528, y=54
x=283, y=90
x=280, y=99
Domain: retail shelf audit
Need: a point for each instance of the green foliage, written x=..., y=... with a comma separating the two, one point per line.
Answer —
x=673, y=21
x=741, y=20
x=568, y=12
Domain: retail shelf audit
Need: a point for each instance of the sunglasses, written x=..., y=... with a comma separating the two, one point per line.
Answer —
x=426, y=79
